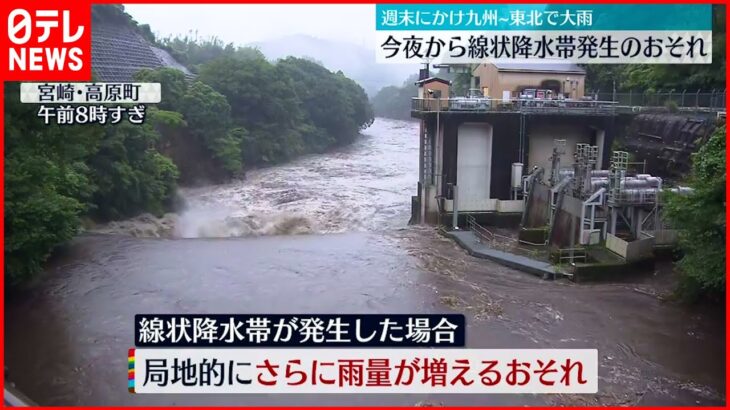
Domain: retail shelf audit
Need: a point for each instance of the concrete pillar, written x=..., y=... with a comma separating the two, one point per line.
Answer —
x=421, y=168
x=455, y=211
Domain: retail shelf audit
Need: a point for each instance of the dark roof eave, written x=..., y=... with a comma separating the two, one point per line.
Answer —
x=520, y=70
x=432, y=79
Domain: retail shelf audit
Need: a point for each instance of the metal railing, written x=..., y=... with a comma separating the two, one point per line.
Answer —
x=711, y=100
x=572, y=254
x=597, y=102
x=528, y=106
x=482, y=233
x=496, y=240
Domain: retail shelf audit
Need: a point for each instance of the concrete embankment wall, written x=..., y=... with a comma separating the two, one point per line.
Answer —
x=536, y=149
x=666, y=141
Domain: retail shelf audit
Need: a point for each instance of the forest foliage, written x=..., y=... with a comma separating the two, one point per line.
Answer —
x=666, y=77
x=395, y=101
x=700, y=217
x=56, y=174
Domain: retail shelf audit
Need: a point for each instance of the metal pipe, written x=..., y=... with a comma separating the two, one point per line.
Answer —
x=572, y=240
x=614, y=217
x=582, y=224
x=656, y=207
x=532, y=243
x=455, y=210
x=593, y=218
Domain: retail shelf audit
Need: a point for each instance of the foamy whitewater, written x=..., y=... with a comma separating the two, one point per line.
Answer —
x=362, y=187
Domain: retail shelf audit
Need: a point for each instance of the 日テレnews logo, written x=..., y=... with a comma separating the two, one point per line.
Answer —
x=45, y=42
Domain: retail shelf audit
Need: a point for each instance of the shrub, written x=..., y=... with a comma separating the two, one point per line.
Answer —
x=700, y=216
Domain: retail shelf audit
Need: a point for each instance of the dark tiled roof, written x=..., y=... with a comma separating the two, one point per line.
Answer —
x=541, y=67
x=432, y=79
x=118, y=52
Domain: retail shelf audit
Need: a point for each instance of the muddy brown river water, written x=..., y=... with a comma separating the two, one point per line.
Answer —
x=328, y=234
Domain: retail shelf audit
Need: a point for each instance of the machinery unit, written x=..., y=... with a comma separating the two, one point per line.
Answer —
x=612, y=201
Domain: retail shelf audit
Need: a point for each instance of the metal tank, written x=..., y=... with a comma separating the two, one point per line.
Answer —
x=517, y=175
x=639, y=195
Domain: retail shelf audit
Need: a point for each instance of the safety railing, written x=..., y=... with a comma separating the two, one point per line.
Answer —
x=689, y=99
x=496, y=240
x=528, y=106
x=482, y=233
x=596, y=102
x=570, y=255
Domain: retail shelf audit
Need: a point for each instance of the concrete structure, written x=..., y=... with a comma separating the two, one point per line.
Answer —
x=472, y=243
x=467, y=155
x=581, y=206
x=549, y=163
x=494, y=79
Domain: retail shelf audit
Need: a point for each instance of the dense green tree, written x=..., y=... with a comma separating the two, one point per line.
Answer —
x=56, y=174
x=173, y=85
x=701, y=218
x=281, y=109
x=263, y=101
x=323, y=97
x=131, y=175
x=331, y=101
x=204, y=113
x=395, y=102
x=363, y=115
x=192, y=51
x=208, y=116
x=653, y=77
x=47, y=185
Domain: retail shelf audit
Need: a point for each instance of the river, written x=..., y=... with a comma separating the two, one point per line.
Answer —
x=328, y=234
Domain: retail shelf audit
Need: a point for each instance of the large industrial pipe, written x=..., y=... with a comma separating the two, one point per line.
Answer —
x=455, y=211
